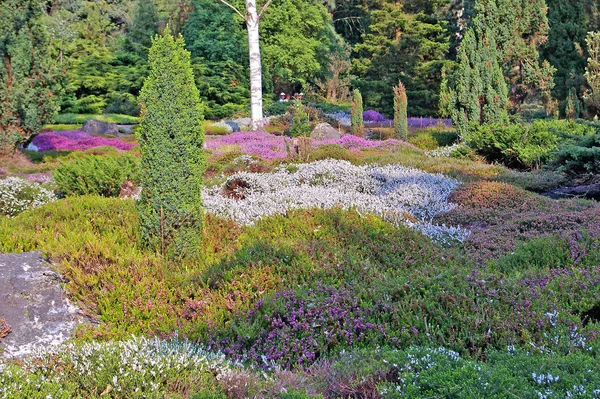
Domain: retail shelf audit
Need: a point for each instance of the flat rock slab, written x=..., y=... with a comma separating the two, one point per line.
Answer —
x=33, y=303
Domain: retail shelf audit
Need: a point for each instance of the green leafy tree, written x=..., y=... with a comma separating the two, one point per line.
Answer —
x=357, y=126
x=401, y=46
x=479, y=92
x=29, y=76
x=171, y=140
x=219, y=51
x=400, y=115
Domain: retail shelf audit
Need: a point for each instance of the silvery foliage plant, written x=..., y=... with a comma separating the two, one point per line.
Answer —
x=400, y=195
x=137, y=367
x=18, y=195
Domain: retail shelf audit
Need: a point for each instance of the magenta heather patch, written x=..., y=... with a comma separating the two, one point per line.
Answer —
x=75, y=141
x=269, y=146
x=264, y=145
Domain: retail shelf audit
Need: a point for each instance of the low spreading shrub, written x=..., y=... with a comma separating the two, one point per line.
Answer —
x=424, y=142
x=79, y=119
x=18, y=195
x=96, y=174
x=580, y=158
x=524, y=145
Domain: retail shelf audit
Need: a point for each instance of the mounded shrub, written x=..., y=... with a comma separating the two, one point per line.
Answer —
x=171, y=143
x=524, y=145
x=96, y=174
x=18, y=195
x=580, y=158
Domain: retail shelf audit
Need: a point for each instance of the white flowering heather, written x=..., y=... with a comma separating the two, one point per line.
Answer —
x=396, y=193
x=137, y=367
x=445, y=152
x=18, y=195
x=222, y=125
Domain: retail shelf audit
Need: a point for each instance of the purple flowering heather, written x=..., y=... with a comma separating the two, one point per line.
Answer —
x=264, y=145
x=75, y=141
x=373, y=116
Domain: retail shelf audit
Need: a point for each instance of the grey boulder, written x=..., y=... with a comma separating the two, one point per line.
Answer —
x=324, y=131
x=92, y=126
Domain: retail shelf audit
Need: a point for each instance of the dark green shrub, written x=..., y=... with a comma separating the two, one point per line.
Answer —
x=400, y=115
x=580, y=158
x=171, y=140
x=358, y=125
x=277, y=108
x=523, y=145
x=96, y=174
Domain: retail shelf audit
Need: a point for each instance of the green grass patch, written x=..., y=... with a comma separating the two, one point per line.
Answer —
x=79, y=119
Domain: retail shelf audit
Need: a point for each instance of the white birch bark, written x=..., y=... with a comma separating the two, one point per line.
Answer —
x=256, y=102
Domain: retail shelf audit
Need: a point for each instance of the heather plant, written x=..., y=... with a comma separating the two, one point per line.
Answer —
x=171, y=143
x=74, y=141
x=135, y=368
x=96, y=174
x=357, y=127
x=424, y=141
x=18, y=195
x=400, y=112
x=373, y=116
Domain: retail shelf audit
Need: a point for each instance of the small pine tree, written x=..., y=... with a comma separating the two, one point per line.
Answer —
x=573, y=105
x=400, y=115
x=358, y=126
x=171, y=140
x=300, y=123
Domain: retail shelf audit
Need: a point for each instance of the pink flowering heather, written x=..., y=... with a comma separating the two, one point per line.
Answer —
x=269, y=146
x=354, y=143
x=264, y=145
x=75, y=141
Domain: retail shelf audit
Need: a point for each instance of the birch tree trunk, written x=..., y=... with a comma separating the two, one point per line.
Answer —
x=256, y=102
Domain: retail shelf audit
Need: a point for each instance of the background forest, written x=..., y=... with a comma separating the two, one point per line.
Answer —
x=323, y=48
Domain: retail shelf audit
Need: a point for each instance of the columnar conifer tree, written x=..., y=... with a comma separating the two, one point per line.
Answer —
x=357, y=126
x=479, y=92
x=592, y=73
x=29, y=77
x=171, y=140
x=400, y=112
x=519, y=28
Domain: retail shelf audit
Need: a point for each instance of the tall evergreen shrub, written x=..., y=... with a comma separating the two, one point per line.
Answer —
x=171, y=139
x=400, y=115
x=357, y=127
x=479, y=93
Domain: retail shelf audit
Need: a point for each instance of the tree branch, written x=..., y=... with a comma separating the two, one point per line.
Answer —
x=234, y=9
x=262, y=11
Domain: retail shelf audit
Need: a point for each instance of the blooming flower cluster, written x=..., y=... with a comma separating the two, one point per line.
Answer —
x=398, y=194
x=446, y=152
x=373, y=116
x=138, y=366
x=18, y=195
x=269, y=146
x=73, y=141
